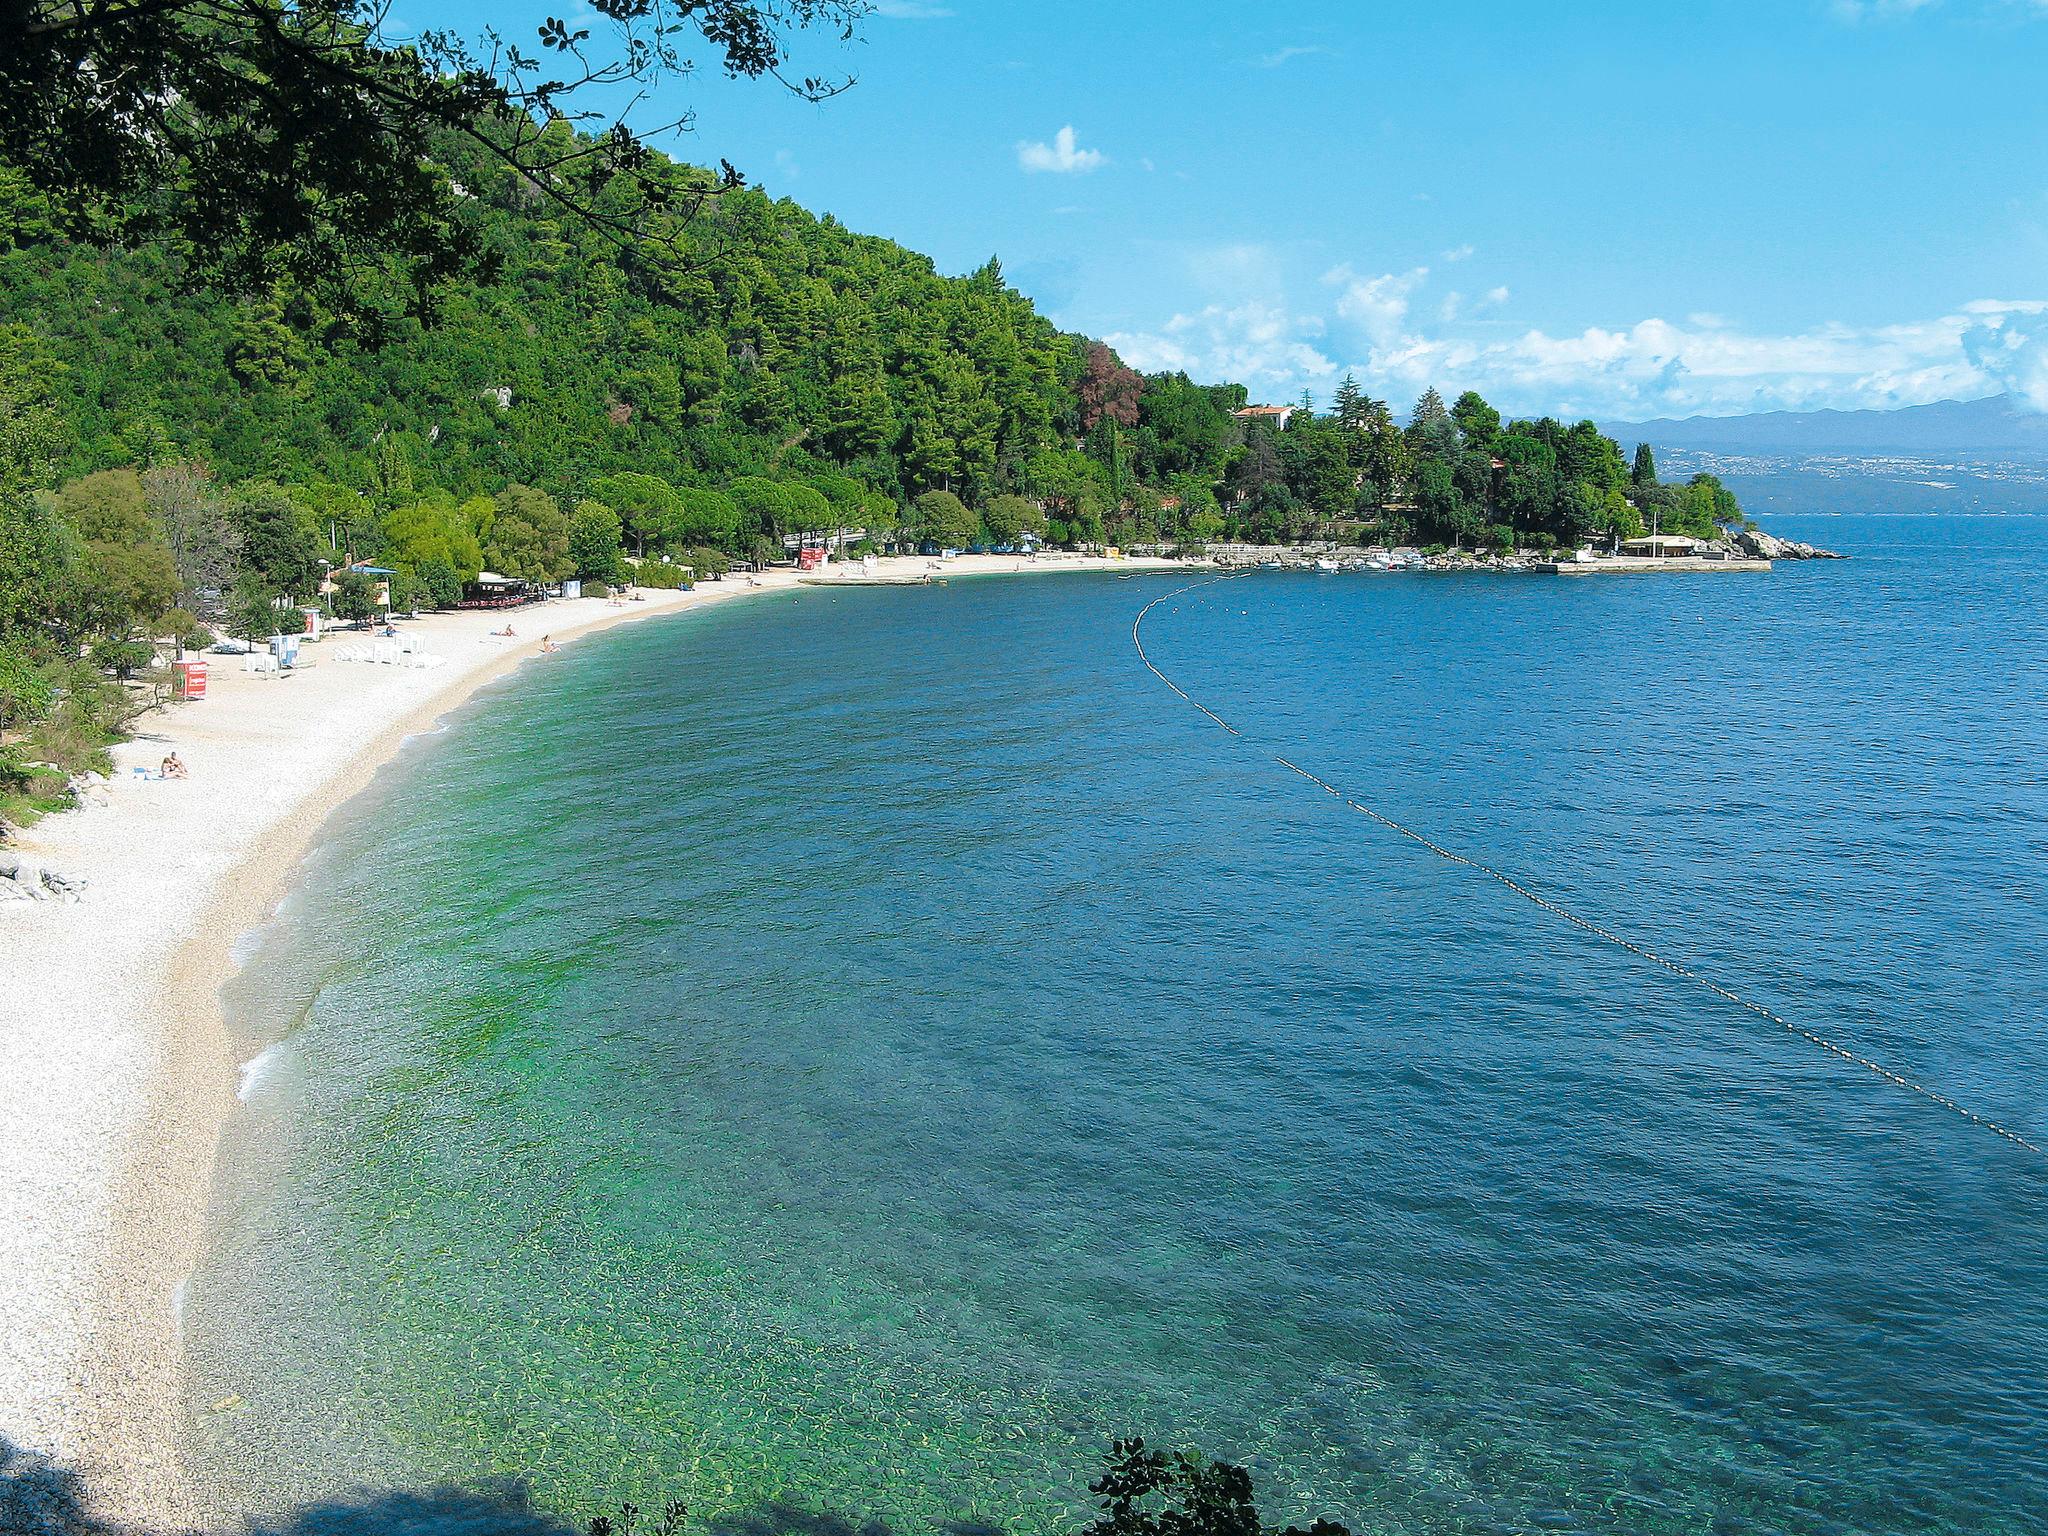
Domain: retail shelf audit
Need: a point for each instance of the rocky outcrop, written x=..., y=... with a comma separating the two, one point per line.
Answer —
x=1758, y=545
x=23, y=879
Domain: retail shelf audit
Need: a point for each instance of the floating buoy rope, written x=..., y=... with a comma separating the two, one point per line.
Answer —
x=1811, y=1037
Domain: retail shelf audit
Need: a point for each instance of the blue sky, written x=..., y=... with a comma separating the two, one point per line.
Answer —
x=1624, y=209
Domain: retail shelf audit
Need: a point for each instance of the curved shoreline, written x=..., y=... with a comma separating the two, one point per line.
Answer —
x=114, y=1211
x=133, y=1420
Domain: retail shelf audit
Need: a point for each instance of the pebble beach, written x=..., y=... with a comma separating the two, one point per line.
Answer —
x=120, y=1072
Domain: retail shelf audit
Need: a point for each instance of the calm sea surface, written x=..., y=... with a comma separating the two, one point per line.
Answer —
x=860, y=1051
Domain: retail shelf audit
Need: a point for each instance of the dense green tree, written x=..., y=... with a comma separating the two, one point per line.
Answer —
x=1256, y=474
x=1585, y=455
x=355, y=596
x=127, y=577
x=1429, y=411
x=253, y=614
x=944, y=519
x=1009, y=517
x=436, y=583
x=278, y=540
x=805, y=511
x=529, y=536
x=1611, y=517
x=1182, y=427
x=1478, y=422
x=764, y=505
x=262, y=138
x=432, y=530
x=1316, y=461
x=38, y=557
x=1348, y=407
x=1528, y=483
x=648, y=507
x=1437, y=500
x=597, y=548
x=1644, y=471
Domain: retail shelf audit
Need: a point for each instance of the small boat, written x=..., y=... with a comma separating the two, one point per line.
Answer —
x=1326, y=565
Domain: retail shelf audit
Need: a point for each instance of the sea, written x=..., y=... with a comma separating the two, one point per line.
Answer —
x=839, y=1059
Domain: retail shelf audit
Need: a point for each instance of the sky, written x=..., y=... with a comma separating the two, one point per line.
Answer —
x=1581, y=207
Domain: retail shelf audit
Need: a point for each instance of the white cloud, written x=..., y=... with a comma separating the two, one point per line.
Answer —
x=1377, y=305
x=1281, y=56
x=2012, y=356
x=1400, y=339
x=1257, y=343
x=1460, y=253
x=1657, y=368
x=1853, y=11
x=1062, y=155
x=1456, y=306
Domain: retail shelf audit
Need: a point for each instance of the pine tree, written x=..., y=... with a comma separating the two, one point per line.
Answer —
x=1645, y=471
x=1429, y=410
x=1350, y=402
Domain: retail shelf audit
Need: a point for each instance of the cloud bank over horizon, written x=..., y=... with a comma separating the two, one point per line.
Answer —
x=1399, y=337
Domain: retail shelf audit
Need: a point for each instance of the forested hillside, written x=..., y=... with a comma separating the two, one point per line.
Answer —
x=176, y=457
x=761, y=342
x=779, y=343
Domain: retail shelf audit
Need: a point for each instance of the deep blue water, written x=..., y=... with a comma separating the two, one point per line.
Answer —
x=865, y=1049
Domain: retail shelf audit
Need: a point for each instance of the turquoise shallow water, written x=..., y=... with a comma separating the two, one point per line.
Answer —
x=862, y=1050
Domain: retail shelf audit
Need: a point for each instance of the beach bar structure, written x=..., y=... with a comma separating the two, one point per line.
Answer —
x=1658, y=546
x=490, y=590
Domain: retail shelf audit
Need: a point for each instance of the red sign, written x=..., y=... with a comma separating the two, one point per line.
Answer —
x=189, y=678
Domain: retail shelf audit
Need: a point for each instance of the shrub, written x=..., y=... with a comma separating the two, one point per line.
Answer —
x=355, y=596
x=123, y=658
x=436, y=584
x=25, y=691
x=658, y=576
x=182, y=627
x=706, y=561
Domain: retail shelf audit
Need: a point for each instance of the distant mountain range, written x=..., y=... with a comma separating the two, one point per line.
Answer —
x=1998, y=425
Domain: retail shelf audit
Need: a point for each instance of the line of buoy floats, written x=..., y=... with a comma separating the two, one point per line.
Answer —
x=1832, y=1047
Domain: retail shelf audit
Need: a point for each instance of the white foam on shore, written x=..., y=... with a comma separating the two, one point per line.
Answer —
x=251, y=1074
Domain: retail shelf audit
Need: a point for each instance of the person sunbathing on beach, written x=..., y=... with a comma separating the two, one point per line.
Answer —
x=173, y=767
x=548, y=646
x=503, y=634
